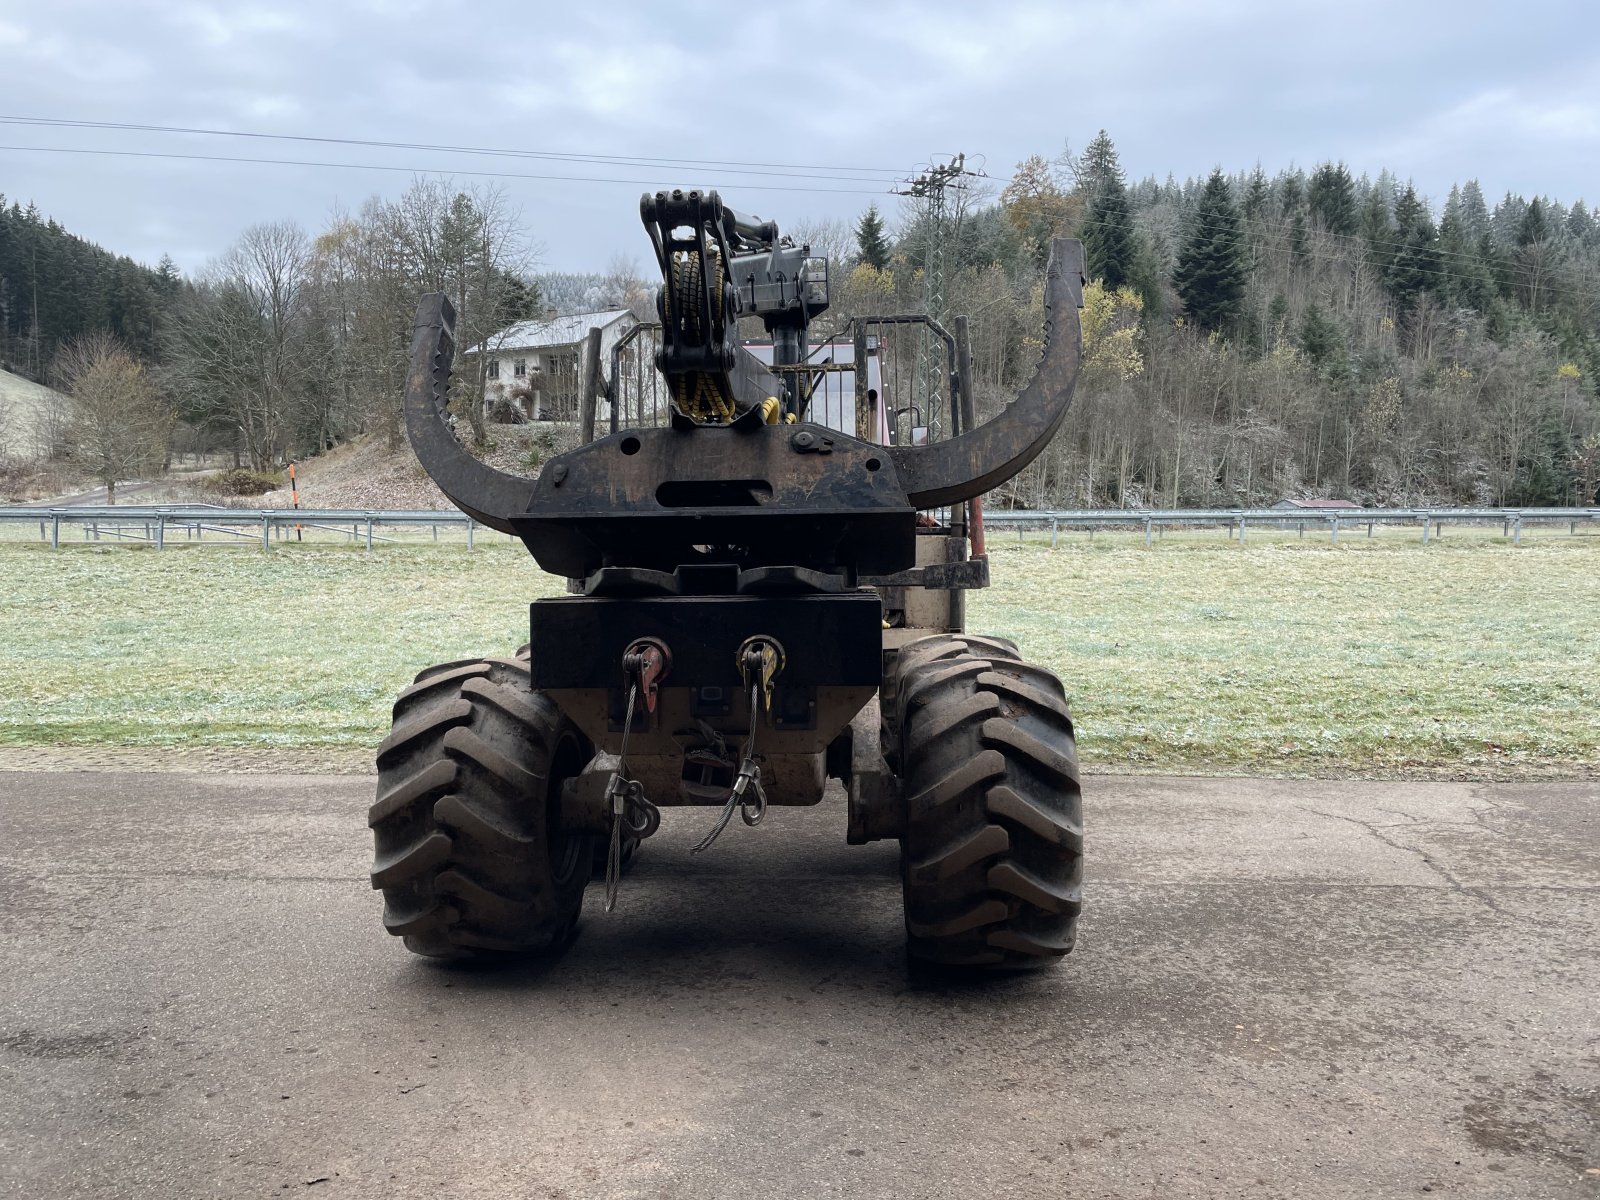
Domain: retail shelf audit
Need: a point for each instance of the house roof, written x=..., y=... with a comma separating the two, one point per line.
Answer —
x=554, y=331
x=1293, y=503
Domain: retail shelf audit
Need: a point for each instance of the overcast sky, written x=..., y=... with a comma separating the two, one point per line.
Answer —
x=1438, y=92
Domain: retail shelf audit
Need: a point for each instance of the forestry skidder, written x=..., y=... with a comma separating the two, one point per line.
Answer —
x=755, y=607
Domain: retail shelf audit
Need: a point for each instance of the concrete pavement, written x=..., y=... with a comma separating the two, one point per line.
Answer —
x=1283, y=988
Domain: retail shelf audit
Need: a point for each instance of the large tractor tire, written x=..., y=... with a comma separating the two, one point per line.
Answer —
x=471, y=857
x=937, y=646
x=991, y=860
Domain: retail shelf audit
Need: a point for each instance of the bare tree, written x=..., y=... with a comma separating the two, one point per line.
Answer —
x=336, y=303
x=469, y=244
x=834, y=240
x=246, y=351
x=623, y=286
x=119, y=423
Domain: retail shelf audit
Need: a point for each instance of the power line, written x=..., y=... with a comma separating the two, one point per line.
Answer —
x=802, y=170
x=1279, y=229
x=430, y=170
x=733, y=166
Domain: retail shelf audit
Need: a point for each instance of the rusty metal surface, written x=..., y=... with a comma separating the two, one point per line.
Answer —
x=480, y=491
x=595, y=485
x=981, y=459
x=767, y=494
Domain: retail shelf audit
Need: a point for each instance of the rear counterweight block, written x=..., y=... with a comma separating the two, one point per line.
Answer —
x=830, y=640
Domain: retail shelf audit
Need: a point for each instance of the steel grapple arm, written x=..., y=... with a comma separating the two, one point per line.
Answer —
x=480, y=491
x=682, y=475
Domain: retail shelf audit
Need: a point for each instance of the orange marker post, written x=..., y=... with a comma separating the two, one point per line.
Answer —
x=294, y=498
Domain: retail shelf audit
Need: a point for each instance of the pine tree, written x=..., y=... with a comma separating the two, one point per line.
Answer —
x=1332, y=198
x=1210, y=273
x=1414, y=265
x=1579, y=221
x=1533, y=228
x=55, y=287
x=1258, y=194
x=871, y=241
x=1377, y=230
x=1320, y=338
x=167, y=282
x=1099, y=166
x=1291, y=193
x=1474, y=212
x=1108, y=244
x=1507, y=217
x=1463, y=280
x=1278, y=310
x=1533, y=255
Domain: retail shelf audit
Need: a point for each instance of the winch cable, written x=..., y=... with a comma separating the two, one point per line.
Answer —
x=749, y=780
x=620, y=790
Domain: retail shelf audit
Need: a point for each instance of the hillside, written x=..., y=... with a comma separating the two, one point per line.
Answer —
x=360, y=474
x=25, y=409
x=72, y=287
x=1247, y=336
x=366, y=474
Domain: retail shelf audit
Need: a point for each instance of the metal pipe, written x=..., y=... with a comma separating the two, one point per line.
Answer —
x=590, y=392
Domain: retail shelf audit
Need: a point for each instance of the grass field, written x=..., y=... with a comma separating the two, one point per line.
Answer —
x=1285, y=656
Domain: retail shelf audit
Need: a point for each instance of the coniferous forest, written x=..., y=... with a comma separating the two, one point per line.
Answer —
x=55, y=287
x=1250, y=337
x=1247, y=336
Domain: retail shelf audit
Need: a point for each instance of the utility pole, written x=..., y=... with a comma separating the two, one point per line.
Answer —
x=933, y=187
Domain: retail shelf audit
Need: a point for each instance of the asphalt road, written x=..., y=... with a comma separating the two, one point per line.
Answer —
x=1295, y=989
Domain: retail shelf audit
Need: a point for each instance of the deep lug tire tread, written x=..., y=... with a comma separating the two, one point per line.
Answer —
x=934, y=647
x=992, y=854
x=464, y=856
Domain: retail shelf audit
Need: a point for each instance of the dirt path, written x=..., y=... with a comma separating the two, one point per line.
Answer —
x=126, y=492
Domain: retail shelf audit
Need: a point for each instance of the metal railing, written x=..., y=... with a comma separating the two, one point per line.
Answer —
x=156, y=524
x=1237, y=521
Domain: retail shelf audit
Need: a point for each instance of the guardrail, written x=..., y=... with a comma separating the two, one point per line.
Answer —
x=154, y=524
x=1431, y=520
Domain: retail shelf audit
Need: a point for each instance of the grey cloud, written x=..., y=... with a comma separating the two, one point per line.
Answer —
x=1180, y=86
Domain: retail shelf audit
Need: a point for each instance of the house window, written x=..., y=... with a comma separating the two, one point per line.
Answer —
x=494, y=368
x=520, y=367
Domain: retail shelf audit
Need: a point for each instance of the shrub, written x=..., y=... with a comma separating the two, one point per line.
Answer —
x=241, y=481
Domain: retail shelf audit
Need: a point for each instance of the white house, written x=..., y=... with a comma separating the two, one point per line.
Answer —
x=536, y=367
